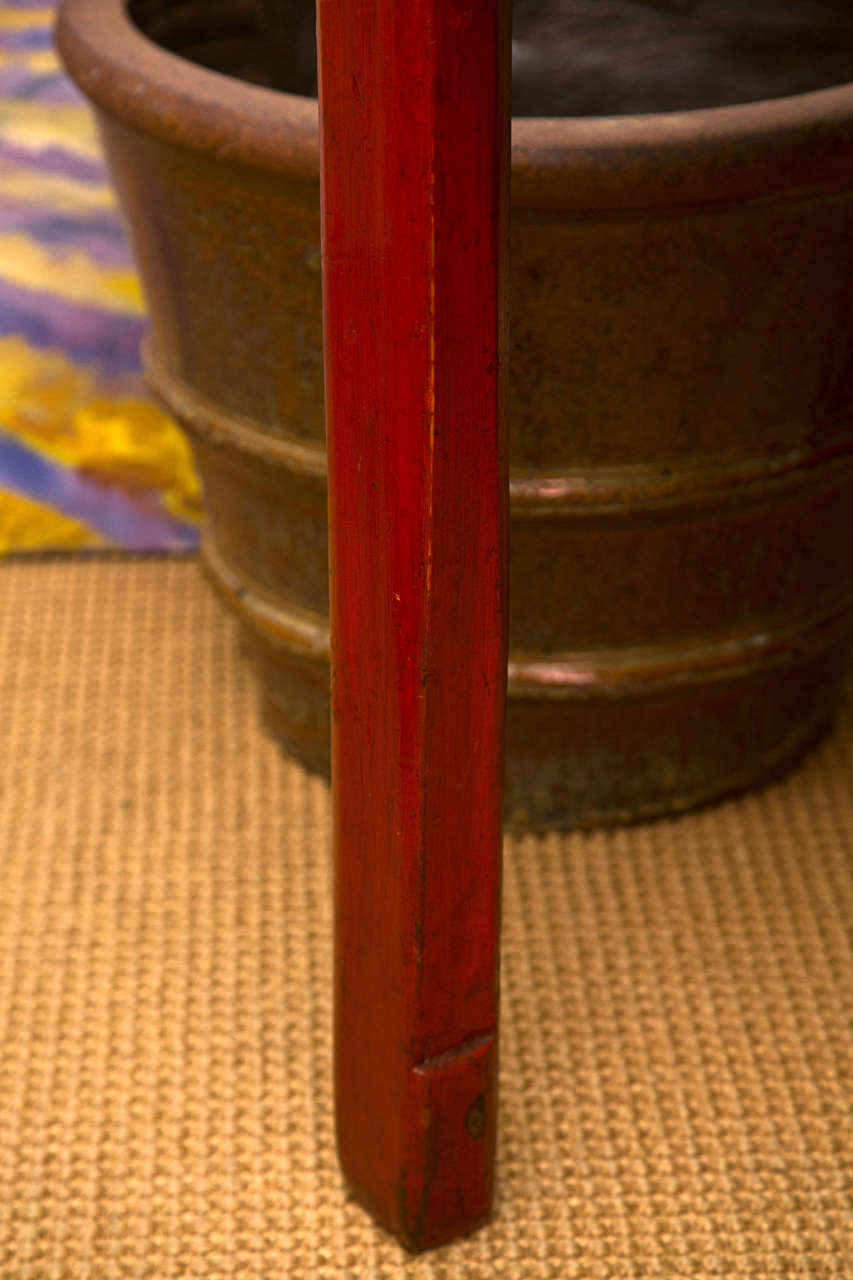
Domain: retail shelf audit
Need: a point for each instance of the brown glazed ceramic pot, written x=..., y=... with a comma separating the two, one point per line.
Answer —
x=680, y=416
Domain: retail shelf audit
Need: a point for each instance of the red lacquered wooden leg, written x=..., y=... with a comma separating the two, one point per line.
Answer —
x=414, y=119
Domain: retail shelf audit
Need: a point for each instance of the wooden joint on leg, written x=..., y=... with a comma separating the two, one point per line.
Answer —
x=453, y=1100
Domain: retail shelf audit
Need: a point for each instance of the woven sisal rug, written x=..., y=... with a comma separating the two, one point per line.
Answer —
x=677, y=1053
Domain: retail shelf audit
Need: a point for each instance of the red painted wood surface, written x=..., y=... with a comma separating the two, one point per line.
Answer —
x=414, y=119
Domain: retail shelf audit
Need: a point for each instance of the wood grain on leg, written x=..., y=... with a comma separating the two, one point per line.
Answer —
x=414, y=118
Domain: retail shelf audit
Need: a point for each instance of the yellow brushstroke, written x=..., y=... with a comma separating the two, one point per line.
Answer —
x=40, y=61
x=53, y=405
x=70, y=275
x=56, y=194
x=35, y=126
x=21, y=19
x=31, y=526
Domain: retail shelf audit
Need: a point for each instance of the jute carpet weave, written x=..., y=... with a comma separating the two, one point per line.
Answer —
x=677, y=999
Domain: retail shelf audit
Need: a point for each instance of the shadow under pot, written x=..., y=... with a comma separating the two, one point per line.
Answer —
x=681, y=379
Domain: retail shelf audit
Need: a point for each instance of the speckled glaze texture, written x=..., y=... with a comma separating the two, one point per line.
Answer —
x=681, y=426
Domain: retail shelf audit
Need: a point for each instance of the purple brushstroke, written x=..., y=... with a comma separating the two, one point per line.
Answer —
x=55, y=89
x=25, y=85
x=102, y=338
x=100, y=236
x=27, y=39
x=51, y=159
x=125, y=519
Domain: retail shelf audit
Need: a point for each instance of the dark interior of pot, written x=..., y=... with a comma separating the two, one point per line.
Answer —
x=248, y=39
x=570, y=57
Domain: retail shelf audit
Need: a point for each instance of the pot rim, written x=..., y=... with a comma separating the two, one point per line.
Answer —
x=786, y=148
